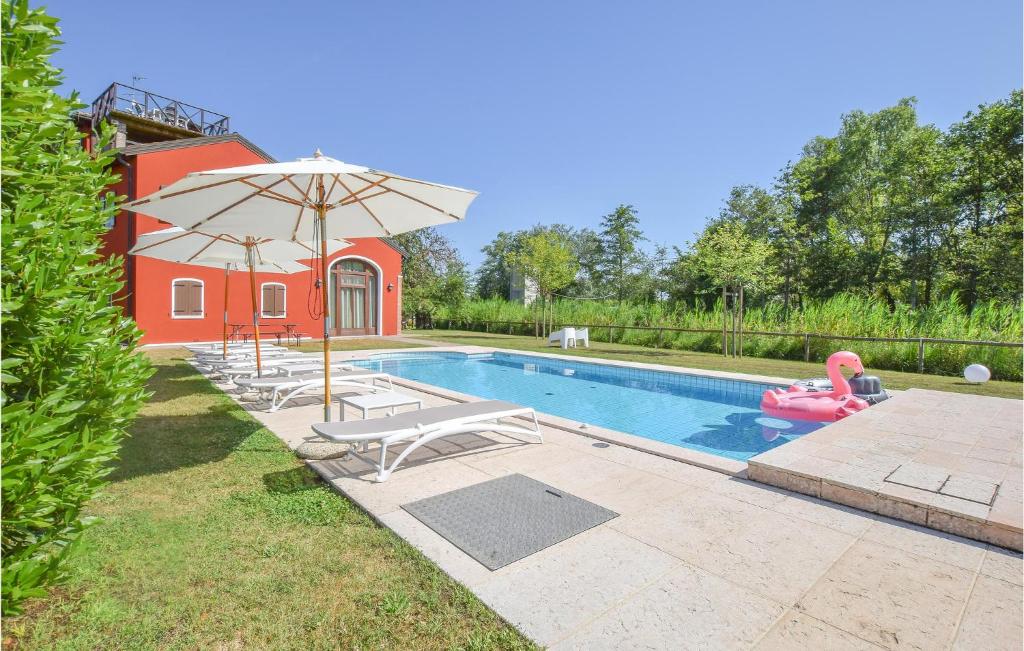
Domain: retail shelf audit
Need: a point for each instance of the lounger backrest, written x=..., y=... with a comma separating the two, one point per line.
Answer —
x=311, y=376
x=465, y=412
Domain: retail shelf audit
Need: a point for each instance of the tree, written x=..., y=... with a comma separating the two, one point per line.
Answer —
x=586, y=247
x=546, y=258
x=885, y=207
x=731, y=258
x=650, y=283
x=985, y=252
x=620, y=258
x=72, y=381
x=768, y=216
x=873, y=205
x=493, y=277
x=433, y=274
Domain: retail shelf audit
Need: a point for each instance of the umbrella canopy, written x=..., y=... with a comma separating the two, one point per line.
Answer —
x=230, y=252
x=310, y=199
x=280, y=200
x=267, y=267
x=176, y=244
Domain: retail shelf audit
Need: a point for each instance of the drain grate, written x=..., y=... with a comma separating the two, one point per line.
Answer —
x=503, y=520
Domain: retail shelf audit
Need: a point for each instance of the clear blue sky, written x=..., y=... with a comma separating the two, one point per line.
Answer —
x=557, y=110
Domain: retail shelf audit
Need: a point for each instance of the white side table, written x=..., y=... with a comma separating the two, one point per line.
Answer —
x=384, y=400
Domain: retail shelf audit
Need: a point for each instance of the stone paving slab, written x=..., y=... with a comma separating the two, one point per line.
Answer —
x=698, y=559
x=972, y=490
x=919, y=475
x=948, y=461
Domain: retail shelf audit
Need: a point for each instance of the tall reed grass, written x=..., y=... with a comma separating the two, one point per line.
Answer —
x=844, y=315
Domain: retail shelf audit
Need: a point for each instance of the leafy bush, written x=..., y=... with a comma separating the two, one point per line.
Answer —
x=845, y=314
x=71, y=379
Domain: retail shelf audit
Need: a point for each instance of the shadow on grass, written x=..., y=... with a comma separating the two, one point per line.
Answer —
x=293, y=480
x=175, y=378
x=206, y=428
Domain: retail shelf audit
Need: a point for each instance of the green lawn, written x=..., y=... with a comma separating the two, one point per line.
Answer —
x=214, y=536
x=754, y=365
x=353, y=344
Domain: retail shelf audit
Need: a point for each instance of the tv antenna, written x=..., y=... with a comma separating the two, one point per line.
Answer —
x=136, y=78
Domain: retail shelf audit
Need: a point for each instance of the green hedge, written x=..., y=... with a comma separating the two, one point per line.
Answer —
x=845, y=314
x=71, y=379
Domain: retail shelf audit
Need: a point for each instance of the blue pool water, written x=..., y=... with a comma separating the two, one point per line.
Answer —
x=702, y=413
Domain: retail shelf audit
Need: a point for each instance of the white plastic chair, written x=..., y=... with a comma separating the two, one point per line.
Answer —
x=563, y=337
x=567, y=337
x=582, y=336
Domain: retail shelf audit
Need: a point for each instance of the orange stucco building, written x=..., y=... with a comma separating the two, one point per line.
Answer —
x=160, y=140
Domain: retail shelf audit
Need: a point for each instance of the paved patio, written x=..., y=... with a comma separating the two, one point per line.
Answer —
x=949, y=461
x=697, y=558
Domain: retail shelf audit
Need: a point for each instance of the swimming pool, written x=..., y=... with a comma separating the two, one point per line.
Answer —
x=709, y=414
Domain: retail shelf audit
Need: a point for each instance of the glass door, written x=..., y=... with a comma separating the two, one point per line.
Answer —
x=353, y=288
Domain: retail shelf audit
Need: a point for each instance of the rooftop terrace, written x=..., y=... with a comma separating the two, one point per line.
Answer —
x=156, y=117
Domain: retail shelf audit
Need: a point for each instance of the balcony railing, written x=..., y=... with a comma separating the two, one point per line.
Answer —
x=157, y=108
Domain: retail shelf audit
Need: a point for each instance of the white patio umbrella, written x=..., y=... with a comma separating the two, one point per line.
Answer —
x=310, y=199
x=255, y=254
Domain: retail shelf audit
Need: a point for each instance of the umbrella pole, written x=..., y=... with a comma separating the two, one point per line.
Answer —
x=321, y=213
x=255, y=310
x=227, y=277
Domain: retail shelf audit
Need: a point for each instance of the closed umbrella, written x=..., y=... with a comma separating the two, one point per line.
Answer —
x=309, y=199
x=219, y=250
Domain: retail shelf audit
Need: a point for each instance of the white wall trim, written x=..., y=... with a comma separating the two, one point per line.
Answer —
x=202, y=298
x=380, y=287
x=263, y=314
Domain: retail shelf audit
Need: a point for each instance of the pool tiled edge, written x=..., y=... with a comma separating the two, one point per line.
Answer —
x=725, y=385
x=674, y=452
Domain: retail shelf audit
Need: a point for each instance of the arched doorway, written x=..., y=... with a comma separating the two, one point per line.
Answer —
x=355, y=297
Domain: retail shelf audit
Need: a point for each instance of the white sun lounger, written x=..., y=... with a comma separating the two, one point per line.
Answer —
x=284, y=368
x=239, y=354
x=567, y=337
x=425, y=425
x=299, y=384
x=218, y=348
x=290, y=358
x=250, y=360
x=242, y=352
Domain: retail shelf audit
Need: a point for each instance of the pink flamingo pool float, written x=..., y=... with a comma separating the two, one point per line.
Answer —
x=824, y=406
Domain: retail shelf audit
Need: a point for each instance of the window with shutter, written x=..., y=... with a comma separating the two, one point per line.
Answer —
x=273, y=305
x=187, y=298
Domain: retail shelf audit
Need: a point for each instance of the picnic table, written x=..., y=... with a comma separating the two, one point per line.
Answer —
x=288, y=331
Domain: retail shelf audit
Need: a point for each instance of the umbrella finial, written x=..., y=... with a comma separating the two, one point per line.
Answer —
x=318, y=153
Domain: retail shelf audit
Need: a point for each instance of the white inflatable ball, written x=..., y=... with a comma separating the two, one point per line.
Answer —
x=977, y=374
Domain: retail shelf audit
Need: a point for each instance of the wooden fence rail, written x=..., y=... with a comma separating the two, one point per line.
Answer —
x=805, y=336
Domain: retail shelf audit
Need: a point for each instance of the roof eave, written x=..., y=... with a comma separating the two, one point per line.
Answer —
x=168, y=145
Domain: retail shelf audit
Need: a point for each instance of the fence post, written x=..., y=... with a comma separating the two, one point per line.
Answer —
x=661, y=333
x=807, y=347
x=920, y=355
x=510, y=327
x=487, y=326
x=725, y=321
